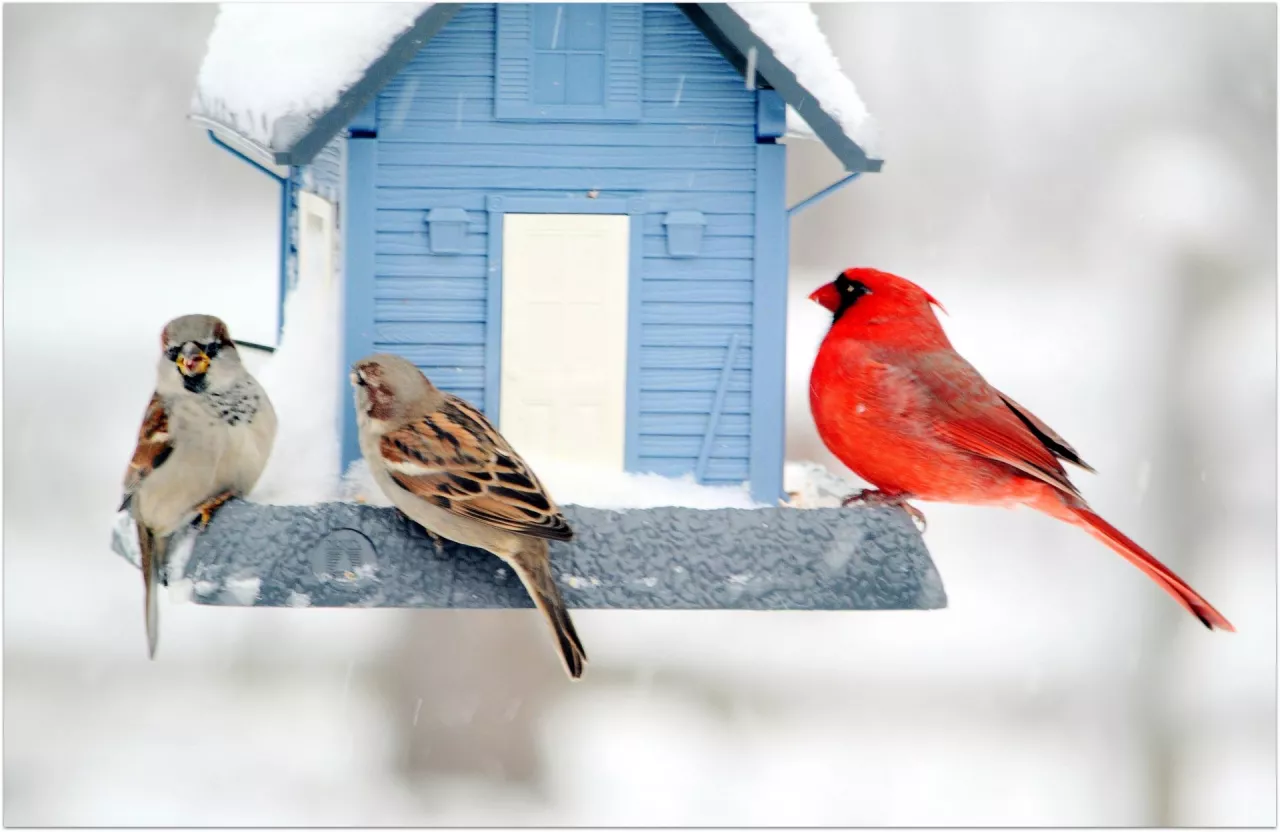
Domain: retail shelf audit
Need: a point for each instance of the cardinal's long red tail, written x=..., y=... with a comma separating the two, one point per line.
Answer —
x=1154, y=569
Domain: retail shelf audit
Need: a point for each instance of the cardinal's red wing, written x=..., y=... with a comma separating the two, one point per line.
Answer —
x=971, y=415
x=1047, y=435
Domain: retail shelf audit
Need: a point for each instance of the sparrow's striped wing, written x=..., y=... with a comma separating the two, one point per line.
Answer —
x=154, y=447
x=454, y=459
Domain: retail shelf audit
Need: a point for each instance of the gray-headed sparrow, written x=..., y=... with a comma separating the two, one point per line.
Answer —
x=444, y=465
x=205, y=438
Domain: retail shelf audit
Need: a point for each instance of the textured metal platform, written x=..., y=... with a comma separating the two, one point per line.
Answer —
x=351, y=555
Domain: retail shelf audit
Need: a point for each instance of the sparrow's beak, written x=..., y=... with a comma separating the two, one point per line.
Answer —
x=828, y=297
x=192, y=361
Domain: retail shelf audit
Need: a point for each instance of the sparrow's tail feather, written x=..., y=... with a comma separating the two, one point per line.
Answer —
x=152, y=549
x=534, y=568
x=1191, y=600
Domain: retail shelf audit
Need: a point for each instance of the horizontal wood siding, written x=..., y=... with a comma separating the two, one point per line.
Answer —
x=439, y=146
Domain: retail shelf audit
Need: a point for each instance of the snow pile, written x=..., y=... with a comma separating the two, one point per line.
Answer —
x=358, y=486
x=124, y=536
x=272, y=68
x=584, y=485
x=792, y=32
x=797, y=127
x=298, y=599
x=307, y=392
x=810, y=485
x=180, y=547
x=244, y=590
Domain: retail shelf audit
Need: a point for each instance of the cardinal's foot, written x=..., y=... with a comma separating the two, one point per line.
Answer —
x=875, y=497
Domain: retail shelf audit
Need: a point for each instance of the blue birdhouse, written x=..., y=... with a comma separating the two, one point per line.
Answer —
x=570, y=214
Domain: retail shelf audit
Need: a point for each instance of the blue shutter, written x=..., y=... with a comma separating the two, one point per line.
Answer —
x=513, y=70
x=624, y=46
x=553, y=63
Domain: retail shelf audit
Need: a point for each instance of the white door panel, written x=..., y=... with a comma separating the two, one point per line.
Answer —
x=315, y=238
x=564, y=336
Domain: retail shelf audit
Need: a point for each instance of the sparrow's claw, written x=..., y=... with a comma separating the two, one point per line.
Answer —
x=436, y=540
x=206, y=510
x=874, y=497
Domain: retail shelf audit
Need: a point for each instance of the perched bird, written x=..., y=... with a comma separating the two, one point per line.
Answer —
x=897, y=404
x=442, y=463
x=205, y=438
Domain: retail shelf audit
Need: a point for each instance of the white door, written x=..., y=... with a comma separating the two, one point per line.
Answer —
x=315, y=238
x=564, y=337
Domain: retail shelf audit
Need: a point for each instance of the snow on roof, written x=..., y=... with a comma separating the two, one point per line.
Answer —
x=793, y=34
x=272, y=69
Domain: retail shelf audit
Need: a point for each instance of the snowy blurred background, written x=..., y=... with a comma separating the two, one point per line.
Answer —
x=1090, y=190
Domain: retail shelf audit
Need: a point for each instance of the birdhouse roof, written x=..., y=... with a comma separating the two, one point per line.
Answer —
x=284, y=78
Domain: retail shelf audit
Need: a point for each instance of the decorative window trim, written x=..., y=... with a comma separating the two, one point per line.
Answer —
x=514, y=81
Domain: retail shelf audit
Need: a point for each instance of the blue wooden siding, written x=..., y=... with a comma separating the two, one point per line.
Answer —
x=439, y=145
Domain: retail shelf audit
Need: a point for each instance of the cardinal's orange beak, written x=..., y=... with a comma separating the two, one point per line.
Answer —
x=828, y=297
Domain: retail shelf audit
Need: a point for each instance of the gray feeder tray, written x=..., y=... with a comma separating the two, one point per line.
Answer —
x=351, y=555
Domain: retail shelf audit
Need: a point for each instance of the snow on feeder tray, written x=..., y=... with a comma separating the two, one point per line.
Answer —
x=347, y=554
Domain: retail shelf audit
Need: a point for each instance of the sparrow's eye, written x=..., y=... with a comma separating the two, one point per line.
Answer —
x=360, y=380
x=211, y=349
x=172, y=353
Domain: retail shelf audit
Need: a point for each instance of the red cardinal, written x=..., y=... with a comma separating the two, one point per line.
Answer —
x=897, y=404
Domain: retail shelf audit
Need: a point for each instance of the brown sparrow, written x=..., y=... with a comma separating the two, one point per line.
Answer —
x=205, y=438
x=444, y=465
